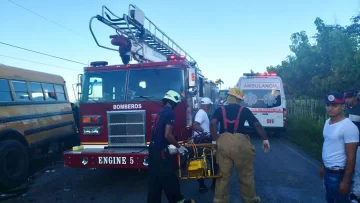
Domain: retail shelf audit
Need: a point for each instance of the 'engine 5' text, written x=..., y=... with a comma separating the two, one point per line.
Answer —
x=115, y=160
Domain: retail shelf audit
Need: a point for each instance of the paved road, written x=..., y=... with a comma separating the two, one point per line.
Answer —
x=284, y=175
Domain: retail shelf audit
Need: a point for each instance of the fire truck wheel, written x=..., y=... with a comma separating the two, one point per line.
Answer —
x=14, y=164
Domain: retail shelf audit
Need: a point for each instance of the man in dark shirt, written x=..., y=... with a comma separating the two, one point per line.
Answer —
x=162, y=171
x=234, y=147
x=352, y=112
x=353, y=106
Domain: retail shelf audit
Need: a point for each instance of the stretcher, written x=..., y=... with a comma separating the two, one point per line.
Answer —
x=198, y=163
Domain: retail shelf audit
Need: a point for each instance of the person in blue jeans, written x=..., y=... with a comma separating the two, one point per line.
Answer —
x=341, y=138
x=353, y=113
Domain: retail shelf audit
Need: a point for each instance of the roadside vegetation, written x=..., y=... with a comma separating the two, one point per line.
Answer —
x=305, y=133
x=305, y=123
x=327, y=61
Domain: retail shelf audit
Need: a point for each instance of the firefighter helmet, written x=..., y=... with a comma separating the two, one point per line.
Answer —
x=236, y=92
x=173, y=96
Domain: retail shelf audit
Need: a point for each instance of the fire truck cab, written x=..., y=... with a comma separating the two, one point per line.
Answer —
x=119, y=103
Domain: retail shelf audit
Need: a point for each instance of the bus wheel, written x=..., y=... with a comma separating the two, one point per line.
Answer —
x=14, y=164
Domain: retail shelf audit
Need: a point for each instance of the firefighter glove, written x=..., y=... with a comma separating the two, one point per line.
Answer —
x=266, y=145
x=182, y=149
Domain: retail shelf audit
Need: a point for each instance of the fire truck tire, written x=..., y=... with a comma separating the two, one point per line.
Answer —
x=14, y=164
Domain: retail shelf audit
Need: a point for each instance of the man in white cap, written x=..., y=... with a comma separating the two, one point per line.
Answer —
x=201, y=124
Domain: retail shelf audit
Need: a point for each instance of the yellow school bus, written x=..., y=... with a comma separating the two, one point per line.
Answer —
x=35, y=112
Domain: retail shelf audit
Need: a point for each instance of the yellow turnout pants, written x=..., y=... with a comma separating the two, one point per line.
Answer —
x=235, y=150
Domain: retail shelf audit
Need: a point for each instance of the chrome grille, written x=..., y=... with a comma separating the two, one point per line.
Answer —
x=126, y=128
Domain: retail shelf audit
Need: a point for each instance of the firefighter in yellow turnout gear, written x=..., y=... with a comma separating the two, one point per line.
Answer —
x=233, y=148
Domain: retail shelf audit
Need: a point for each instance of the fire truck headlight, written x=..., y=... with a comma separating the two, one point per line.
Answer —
x=91, y=130
x=146, y=161
x=84, y=161
x=91, y=119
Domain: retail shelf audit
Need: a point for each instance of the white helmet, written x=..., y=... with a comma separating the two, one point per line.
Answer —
x=173, y=96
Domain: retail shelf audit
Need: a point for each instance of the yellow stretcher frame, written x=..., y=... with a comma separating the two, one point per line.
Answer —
x=207, y=147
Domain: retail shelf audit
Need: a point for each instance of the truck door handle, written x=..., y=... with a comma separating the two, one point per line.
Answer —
x=265, y=114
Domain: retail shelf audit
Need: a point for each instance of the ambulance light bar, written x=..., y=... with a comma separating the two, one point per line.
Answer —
x=176, y=57
x=259, y=74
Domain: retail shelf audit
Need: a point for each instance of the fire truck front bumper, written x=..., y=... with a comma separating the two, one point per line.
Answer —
x=83, y=157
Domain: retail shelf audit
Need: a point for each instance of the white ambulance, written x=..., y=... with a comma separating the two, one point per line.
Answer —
x=264, y=96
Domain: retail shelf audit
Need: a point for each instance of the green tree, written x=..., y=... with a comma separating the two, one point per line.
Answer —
x=331, y=63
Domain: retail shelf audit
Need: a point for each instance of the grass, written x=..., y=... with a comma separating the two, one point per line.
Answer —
x=305, y=121
x=305, y=132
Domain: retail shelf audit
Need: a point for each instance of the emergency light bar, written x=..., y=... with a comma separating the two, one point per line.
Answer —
x=176, y=57
x=259, y=74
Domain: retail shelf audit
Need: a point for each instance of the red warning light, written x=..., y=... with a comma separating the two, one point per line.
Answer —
x=176, y=58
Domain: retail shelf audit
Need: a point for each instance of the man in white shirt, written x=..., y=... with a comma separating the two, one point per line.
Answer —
x=341, y=138
x=202, y=122
x=202, y=125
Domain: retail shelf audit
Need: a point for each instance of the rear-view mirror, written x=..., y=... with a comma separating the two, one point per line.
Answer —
x=192, y=91
x=80, y=79
x=142, y=84
x=192, y=77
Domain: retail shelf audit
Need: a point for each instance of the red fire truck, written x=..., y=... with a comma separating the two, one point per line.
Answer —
x=118, y=103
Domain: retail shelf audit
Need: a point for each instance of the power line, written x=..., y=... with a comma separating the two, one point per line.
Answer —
x=20, y=59
x=43, y=17
x=42, y=53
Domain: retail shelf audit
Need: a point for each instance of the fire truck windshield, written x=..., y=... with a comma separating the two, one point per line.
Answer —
x=104, y=86
x=149, y=83
x=154, y=83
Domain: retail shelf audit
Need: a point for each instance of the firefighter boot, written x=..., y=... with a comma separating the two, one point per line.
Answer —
x=251, y=200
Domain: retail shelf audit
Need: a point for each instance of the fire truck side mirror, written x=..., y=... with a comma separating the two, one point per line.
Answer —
x=80, y=78
x=192, y=82
x=193, y=91
x=192, y=77
x=78, y=86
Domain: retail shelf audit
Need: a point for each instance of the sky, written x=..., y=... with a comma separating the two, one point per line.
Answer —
x=226, y=38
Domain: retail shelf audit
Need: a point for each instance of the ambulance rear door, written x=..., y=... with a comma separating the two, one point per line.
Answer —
x=264, y=97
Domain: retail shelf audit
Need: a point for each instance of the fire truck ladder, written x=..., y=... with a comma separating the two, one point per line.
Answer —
x=147, y=45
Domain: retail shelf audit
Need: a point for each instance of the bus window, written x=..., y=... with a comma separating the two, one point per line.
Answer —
x=49, y=92
x=36, y=91
x=5, y=93
x=60, y=92
x=21, y=90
